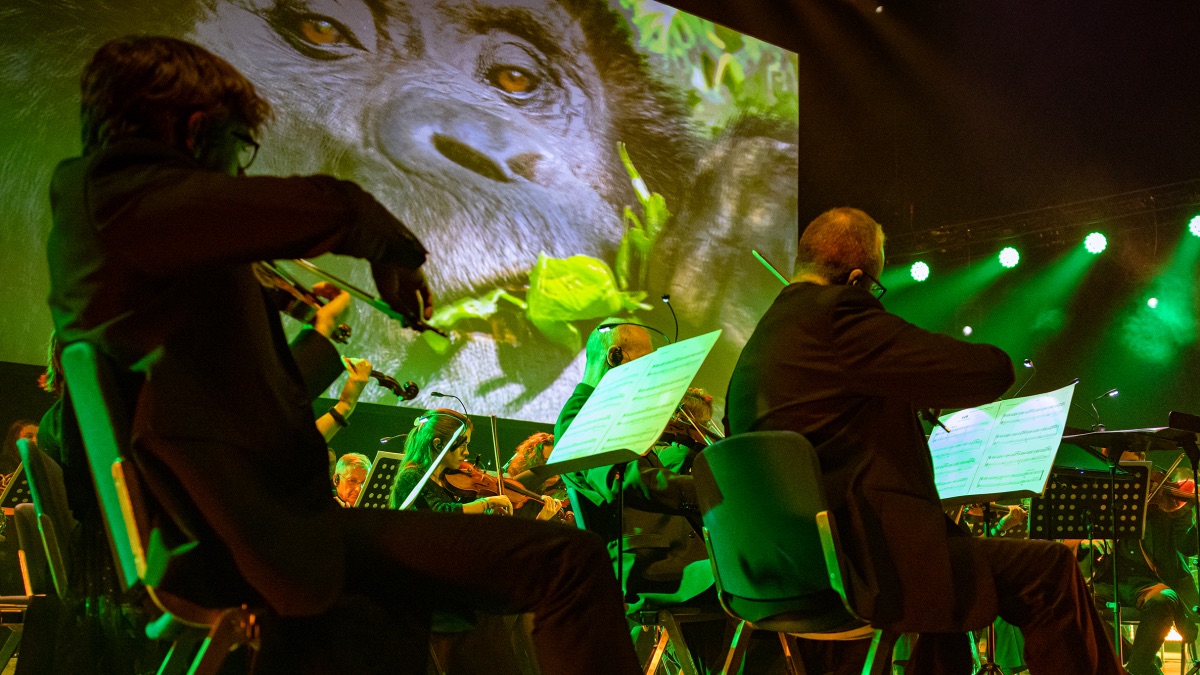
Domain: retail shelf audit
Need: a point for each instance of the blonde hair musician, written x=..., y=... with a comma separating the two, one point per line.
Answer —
x=431, y=431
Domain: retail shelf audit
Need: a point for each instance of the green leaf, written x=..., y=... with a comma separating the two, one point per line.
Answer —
x=575, y=289
x=560, y=332
x=731, y=40
x=656, y=215
x=482, y=307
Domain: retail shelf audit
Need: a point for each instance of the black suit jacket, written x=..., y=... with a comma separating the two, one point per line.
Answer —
x=831, y=364
x=150, y=259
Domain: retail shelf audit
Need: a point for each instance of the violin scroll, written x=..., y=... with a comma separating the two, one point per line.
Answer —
x=407, y=391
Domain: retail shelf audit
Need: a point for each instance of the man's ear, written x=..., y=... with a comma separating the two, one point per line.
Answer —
x=616, y=356
x=337, y=479
x=197, y=127
x=855, y=278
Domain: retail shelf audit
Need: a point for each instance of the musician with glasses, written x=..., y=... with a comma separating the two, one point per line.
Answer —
x=151, y=251
x=827, y=361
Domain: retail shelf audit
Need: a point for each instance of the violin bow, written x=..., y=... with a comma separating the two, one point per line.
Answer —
x=416, y=323
x=429, y=472
x=496, y=447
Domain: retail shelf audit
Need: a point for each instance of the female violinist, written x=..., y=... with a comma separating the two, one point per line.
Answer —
x=431, y=431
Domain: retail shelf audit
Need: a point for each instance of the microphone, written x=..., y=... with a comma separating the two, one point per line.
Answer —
x=385, y=439
x=438, y=394
x=1111, y=393
x=666, y=298
x=1028, y=363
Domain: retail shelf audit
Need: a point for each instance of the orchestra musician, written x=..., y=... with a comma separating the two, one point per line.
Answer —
x=533, y=452
x=431, y=431
x=155, y=231
x=829, y=362
x=1153, y=575
x=665, y=561
x=348, y=477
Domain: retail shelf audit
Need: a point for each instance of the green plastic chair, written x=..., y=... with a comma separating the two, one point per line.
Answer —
x=774, y=548
x=201, y=637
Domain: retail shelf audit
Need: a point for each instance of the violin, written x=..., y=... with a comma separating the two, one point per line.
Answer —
x=1172, y=498
x=302, y=304
x=470, y=482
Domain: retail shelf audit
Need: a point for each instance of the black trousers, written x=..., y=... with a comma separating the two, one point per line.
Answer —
x=1159, y=607
x=304, y=562
x=1042, y=592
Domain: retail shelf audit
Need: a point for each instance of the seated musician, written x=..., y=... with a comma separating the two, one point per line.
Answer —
x=827, y=361
x=665, y=561
x=1153, y=576
x=156, y=228
x=533, y=452
x=431, y=431
x=348, y=478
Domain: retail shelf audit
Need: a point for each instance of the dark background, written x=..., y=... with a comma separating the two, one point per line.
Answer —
x=935, y=112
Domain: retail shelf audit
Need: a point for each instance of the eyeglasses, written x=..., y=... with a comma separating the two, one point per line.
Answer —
x=248, y=150
x=876, y=289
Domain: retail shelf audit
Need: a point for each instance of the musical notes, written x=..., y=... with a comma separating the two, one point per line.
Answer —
x=1004, y=448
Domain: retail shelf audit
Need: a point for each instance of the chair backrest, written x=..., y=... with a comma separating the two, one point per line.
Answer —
x=54, y=520
x=760, y=495
x=31, y=550
x=104, y=424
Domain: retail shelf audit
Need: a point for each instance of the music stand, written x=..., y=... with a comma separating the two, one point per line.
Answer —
x=1073, y=497
x=377, y=490
x=16, y=492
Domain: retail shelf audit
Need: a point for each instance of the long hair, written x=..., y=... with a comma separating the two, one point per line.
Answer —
x=419, y=450
x=9, y=456
x=529, y=453
x=148, y=86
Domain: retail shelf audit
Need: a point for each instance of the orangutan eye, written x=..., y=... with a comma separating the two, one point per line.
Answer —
x=315, y=35
x=512, y=80
x=321, y=32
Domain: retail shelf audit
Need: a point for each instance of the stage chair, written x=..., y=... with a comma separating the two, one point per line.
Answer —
x=664, y=621
x=52, y=517
x=30, y=559
x=774, y=547
x=201, y=637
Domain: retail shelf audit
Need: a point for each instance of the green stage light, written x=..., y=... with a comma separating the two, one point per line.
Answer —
x=1009, y=257
x=919, y=271
x=1152, y=303
x=1095, y=243
x=1194, y=226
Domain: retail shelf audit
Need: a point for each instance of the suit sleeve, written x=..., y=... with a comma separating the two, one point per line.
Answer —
x=173, y=217
x=318, y=361
x=884, y=355
x=646, y=485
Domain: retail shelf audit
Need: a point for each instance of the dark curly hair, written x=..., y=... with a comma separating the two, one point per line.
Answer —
x=148, y=87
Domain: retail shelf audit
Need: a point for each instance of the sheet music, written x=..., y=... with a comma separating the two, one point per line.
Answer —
x=633, y=403
x=1003, y=447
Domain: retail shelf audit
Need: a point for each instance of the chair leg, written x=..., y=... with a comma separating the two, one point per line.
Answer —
x=180, y=656
x=11, y=640
x=229, y=632
x=879, y=656
x=687, y=665
x=735, y=656
x=660, y=646
x=794, y=664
